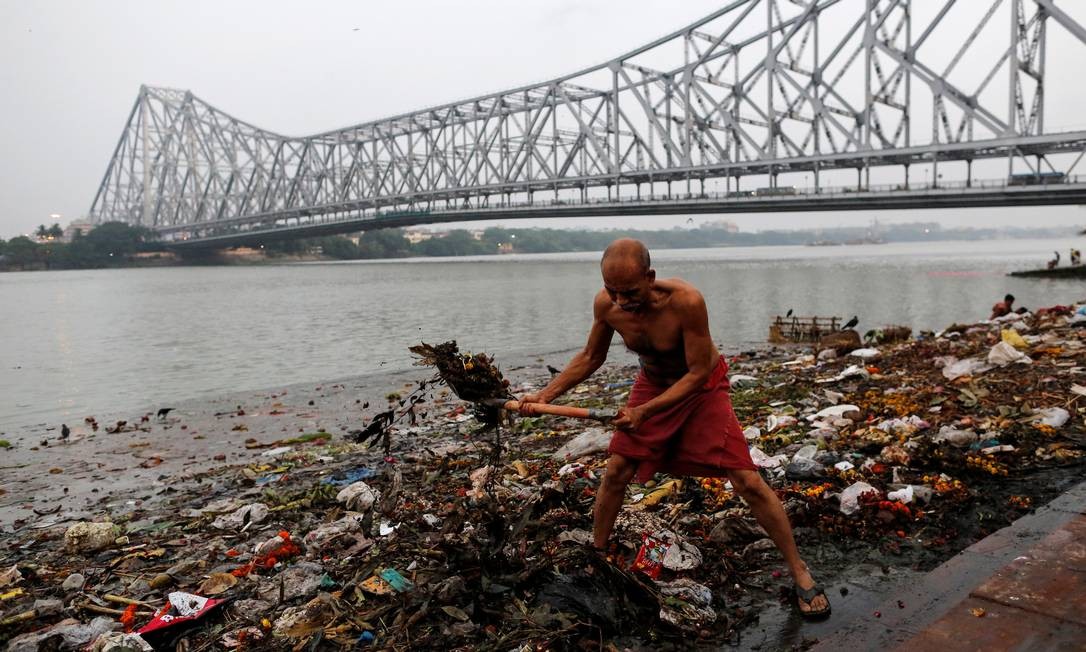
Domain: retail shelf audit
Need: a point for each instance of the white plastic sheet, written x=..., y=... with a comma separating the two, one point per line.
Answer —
x=866, y=354
x=1053, y=416
x=967, y=367
x=1003, y=354
x=955, y=437
x=850, y=497
x=833, y=412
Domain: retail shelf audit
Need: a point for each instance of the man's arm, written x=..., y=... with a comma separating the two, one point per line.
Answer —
x=701, y=357
x=586, y=361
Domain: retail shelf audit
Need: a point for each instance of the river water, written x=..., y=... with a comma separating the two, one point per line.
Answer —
x=74, y=343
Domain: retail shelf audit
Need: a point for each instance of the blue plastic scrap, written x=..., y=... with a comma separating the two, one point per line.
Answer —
x=396, y=581
x=351, y=477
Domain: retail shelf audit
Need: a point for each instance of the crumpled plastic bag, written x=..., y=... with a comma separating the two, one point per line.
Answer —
x=300, y=581
x=358, y=497
x=804, y=468
x=1053, y=416
x=325, y=533
x=254, y=513
x=1003, y=354
x=807, y=452
x=589, y=442
x=687, y=590
x=68, y=634
x=774, y=422
x=902, y=495
x=121, y=642
x=1011, y=336
x=968, y=367
x=764, y=461
x=906, y=426
x=850, y=497
x=682, y=555
x=911, y=493
x=955, y=437
x=690, y=603
x=851, y=371
x=739, y=381
x=301, y=621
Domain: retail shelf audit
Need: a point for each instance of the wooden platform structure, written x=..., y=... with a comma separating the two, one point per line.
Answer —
x=784, y=330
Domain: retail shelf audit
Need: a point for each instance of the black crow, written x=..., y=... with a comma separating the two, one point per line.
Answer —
x=850, y=323
x=162, y=412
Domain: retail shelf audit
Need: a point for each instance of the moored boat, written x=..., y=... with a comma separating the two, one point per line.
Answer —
x=1072, y=271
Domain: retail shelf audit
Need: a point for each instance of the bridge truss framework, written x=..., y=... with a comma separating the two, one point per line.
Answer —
x=759, y=88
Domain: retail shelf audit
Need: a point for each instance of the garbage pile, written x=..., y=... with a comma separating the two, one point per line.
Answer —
x=902, y=453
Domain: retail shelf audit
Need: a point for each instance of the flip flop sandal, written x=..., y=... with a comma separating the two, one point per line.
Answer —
x=808, y=596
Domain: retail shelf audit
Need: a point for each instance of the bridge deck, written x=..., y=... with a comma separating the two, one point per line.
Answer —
x=338, y=220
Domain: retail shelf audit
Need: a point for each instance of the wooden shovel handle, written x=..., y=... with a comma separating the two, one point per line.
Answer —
x=562, y=411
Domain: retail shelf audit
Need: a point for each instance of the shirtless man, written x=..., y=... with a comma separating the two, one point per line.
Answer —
x=679, y=417
x=1002, y=308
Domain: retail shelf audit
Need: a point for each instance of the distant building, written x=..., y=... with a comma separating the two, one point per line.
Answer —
x=477, y=234
x=415, y=236
x=242, y=252
x=164, y=256
x=83, y=228
x=725, y=225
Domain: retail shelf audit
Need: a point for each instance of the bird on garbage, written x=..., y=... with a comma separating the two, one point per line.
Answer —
x=65, y=431
x=162, y=412
x=850, y=323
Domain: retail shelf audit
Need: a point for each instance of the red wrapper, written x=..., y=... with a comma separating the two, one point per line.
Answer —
x=650, y=558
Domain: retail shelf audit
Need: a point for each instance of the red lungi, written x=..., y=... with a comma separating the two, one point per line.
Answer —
x=698, y=436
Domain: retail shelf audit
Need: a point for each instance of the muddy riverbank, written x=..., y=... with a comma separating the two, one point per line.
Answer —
x=889, y=459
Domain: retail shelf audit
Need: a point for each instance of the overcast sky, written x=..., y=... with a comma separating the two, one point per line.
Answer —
x=70, y=71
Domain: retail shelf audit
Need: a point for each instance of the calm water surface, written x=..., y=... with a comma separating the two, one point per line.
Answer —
x=80, y=342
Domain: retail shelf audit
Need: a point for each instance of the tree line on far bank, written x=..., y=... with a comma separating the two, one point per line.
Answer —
x=110, y=244
x=392, y=243
x=114, y=244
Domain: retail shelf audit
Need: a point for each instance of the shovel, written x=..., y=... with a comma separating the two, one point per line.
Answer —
x=596, y=414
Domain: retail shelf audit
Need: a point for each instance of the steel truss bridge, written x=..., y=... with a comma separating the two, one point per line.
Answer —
x=764, y=105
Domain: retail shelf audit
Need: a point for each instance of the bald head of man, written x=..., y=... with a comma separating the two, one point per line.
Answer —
x=628, y=276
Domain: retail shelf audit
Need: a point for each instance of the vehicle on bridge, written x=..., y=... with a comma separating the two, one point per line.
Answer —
x=775, y=191
x=1036, y=178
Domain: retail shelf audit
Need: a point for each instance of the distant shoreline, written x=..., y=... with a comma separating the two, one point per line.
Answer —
x=587, y=241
